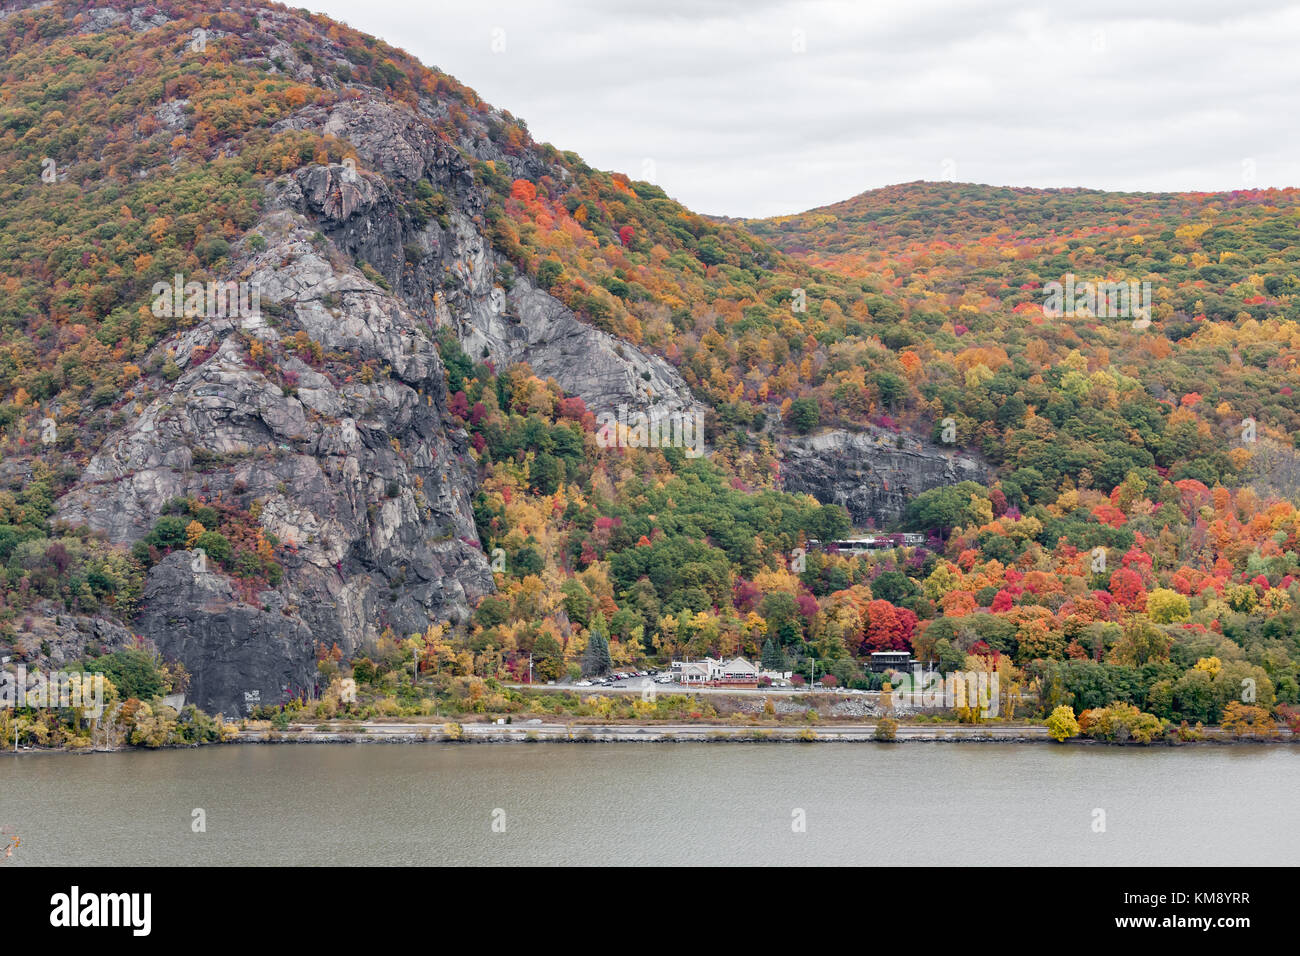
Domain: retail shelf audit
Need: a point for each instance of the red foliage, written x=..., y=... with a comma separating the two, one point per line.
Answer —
x=1126, y=587
x=1110, y=515
x=745, y=595
x=999, y=501
x=808, y=606
x=889, y=628
x=1138, y=560
x=572, y=408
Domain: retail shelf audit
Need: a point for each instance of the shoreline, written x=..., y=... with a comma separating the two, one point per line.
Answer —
x=642, y=733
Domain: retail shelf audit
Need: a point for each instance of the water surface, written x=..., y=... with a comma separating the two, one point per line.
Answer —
x=682, y=804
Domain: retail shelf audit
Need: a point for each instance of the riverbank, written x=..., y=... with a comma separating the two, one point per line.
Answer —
x=557, y=732
x=629, y=732
x=538, y=731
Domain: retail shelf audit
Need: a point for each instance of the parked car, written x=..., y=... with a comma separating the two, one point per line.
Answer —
x=583, y=683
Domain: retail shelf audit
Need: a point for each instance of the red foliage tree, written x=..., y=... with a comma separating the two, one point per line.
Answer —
x=889, y=628
x=1126, y=587
x=745, y=595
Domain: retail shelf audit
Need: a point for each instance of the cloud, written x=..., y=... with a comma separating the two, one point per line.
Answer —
x=770, y=107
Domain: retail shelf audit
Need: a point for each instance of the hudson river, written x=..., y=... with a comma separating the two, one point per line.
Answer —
x=684, y=804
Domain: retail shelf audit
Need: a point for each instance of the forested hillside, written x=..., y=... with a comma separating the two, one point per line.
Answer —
x=1136, y=540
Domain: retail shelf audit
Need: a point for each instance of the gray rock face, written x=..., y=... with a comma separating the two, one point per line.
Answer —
x=870, y=474
x=99, y=19
x=365, y=480
x=448, y=271
x=49, y=638
x=527, y=324
x=250, y=655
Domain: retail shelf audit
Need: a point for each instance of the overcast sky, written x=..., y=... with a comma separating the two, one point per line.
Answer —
x=764, y=107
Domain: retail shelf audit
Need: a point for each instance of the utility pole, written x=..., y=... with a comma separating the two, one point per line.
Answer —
x=530, y=668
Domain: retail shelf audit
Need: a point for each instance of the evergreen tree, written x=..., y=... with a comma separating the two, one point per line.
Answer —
x=773, y=658
x=595, y=659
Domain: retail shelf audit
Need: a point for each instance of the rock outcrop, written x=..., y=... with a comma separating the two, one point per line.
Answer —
x=873, y=474
x=445, y=268
x=48, y=638
x=245, y=655
x=362, y=477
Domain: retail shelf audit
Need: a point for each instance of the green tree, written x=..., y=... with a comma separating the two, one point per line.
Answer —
x=215, y=545
x=595, y=659
x=803, y=415
x=773, y=657
x=134, y=673
x=548, y=658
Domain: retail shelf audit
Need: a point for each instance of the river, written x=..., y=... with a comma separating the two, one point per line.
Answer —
x=677, y=804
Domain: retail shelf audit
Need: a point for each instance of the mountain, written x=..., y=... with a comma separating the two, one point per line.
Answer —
x=970, y=269
x=308, y=449
x=314, y=364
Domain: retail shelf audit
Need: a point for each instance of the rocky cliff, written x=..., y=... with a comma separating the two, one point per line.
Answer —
x=445, y=267
x=358, y=472
x=365, y=480
x=874, y=473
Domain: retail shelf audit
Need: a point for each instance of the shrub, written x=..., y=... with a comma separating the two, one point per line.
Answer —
x=1243, y=720
x=1061, y=725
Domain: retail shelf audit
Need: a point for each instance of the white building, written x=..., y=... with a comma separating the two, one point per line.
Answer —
x=736, y=671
